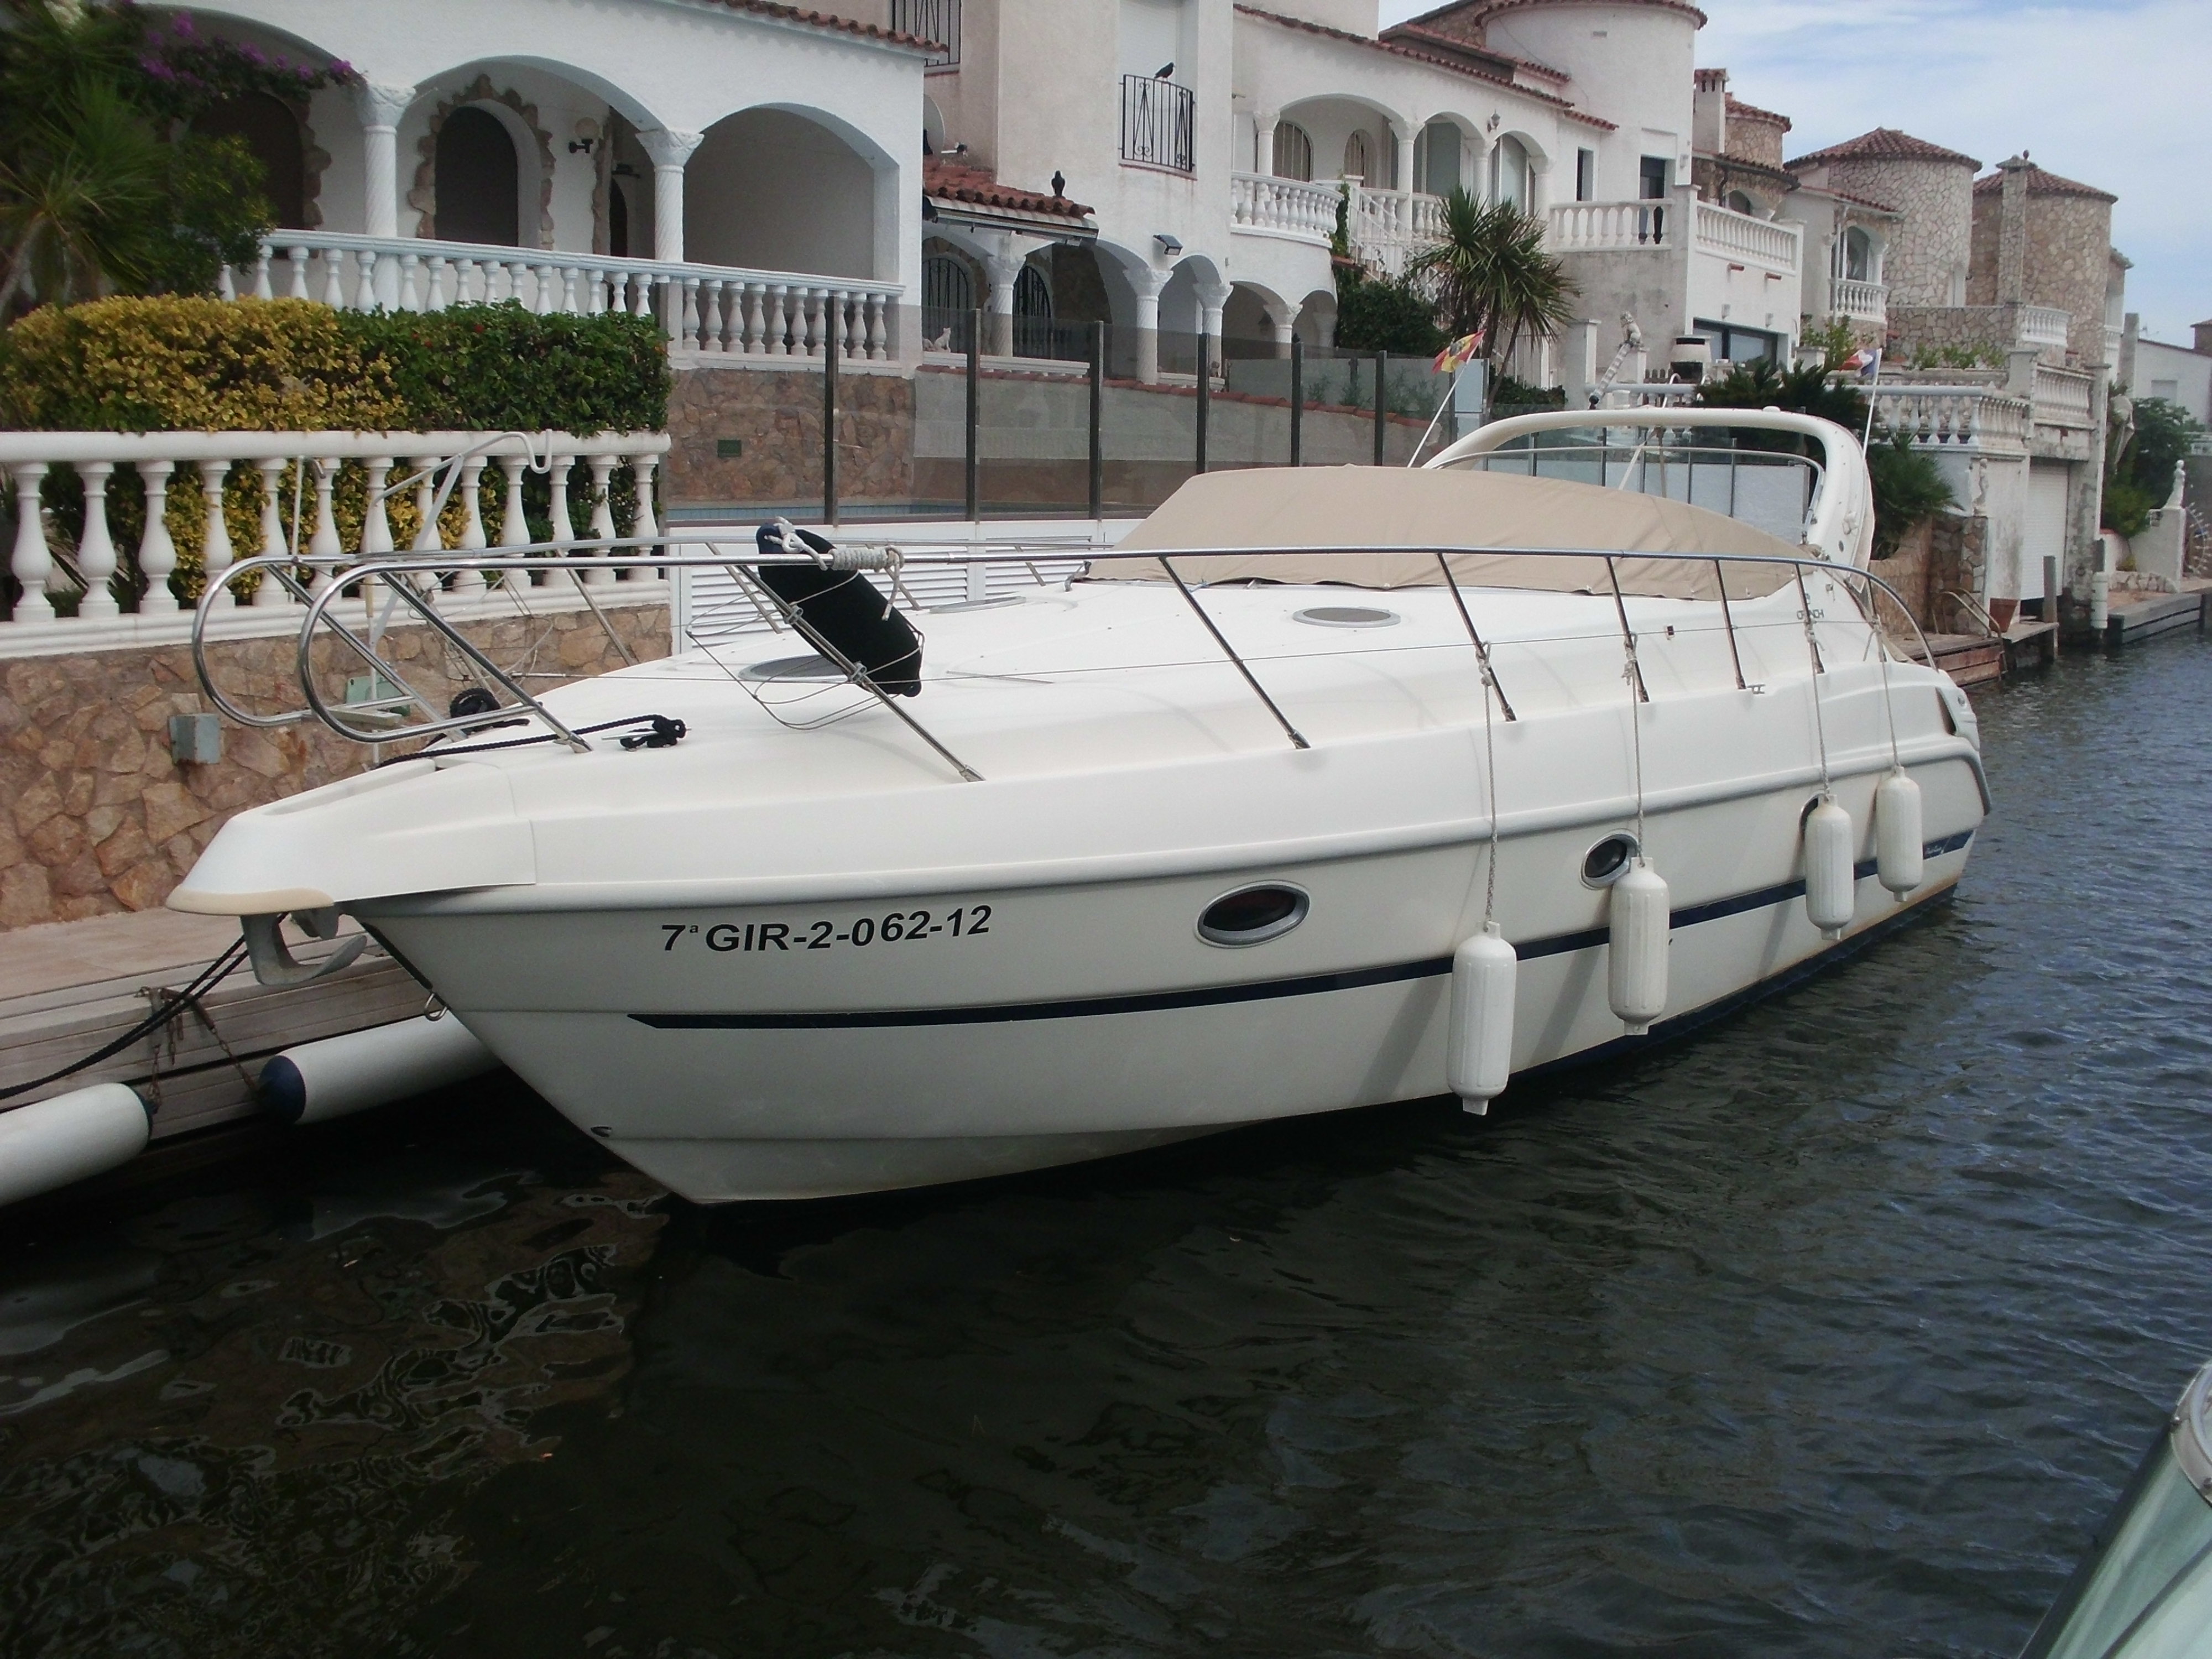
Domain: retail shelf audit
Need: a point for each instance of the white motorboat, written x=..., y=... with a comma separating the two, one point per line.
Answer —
x=1235, y=826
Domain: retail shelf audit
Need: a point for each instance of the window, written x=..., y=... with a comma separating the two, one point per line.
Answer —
x=1737, y=202
x=1508, y=173
x=2169, y=390
x=1293, y=152
x=1436, y=167
x=1858, y=256
x=1739, y=346
x=1651, y=177
x=948, y=301
x=271, y=132
x=1157, y=116
x=1585, y=175
x=1033, y=327
x=932, y=19
x=1356, y=161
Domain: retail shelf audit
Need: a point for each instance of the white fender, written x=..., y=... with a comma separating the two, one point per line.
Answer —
x=1636, y=951
x=52, y=1143
x=1897, y=833
x=342, y=1075
x=1831, y=892
x=1479, y=1051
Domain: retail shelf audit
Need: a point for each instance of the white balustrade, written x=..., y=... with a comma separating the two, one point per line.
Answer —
x=1865, y=303
x=1610, y=227
x=2044, y=325
x=298, y=480
x=1263, y=205
x=1953, y=416
x=1745, y=238
x=717, y=309
x=2063, y=396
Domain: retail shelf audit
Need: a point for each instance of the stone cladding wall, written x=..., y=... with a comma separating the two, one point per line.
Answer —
x=2069, y=262
x=775, y=418
x=1931, y=242
x=95, y=818
x=1755, y=138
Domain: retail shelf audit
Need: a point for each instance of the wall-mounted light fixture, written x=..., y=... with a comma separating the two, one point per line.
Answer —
x=1170, y=246
x=588, y=137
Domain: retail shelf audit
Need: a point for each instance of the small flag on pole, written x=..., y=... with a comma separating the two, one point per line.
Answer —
x=1867, y=360
x=1459, y=352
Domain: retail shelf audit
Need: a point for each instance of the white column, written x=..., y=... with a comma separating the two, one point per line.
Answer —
x=381, y=107
x=1284, y=320
x=1002, y=269
x=1264, y=123
x=670, y=150
x=1403, y=178
x=1212, y=298
x=1147, y=282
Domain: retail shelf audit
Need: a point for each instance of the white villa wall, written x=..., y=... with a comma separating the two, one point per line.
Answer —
x=2189, y=372
x=1631, y=64
x=679, y=68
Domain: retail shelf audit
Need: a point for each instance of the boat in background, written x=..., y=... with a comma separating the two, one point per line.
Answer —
x=1327, y=788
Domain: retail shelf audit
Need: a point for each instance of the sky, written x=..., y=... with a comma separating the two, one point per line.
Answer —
x=2115, y=93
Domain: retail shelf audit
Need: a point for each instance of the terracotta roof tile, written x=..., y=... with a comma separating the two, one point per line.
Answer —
x=2040, y=183
x=1456, y=66
x=823, y=20
x=1884, y=144
x=1452, y=42
x=1479, y=11
x=1752, y=111
x=956, y=181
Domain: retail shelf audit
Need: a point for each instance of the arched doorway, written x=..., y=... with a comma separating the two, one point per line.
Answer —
x=1293, y=157
x=479, y=181
x=1034, y=335
x=271, y=132
x=948, y=297
x=772, y=190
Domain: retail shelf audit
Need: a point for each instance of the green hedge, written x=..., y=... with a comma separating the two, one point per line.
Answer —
x=186, y=364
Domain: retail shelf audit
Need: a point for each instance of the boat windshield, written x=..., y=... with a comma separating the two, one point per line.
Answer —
x=2146, y=1593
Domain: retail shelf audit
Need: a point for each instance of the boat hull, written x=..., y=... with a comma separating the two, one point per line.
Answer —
x=1089, y=1020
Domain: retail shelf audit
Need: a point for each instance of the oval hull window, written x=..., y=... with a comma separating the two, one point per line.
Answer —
x=1607, y=862
x=1253, y=915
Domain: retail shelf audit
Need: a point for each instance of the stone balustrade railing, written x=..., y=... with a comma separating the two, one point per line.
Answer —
x=1863, y=302
x=2064, y=397
x=717, y=309
x=2044, y=325
x=1263, y=206
x=1608, y=226
x=293, y=479
x=1740, y=236
x=1953, y=416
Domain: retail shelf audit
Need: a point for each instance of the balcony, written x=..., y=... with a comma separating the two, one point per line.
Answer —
x=1158, y=122
x=1763, y=244
x=1263, y=205
x=932, y=20
x=1957, y=419
x=715, y=310
x=2063, y=398
x=1862, y=302
x=1610, y=227
x=2045, y=326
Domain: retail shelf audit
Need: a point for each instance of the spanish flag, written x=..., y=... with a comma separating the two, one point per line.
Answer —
x=1460, y=352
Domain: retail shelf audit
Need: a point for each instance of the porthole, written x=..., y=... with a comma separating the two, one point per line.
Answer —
x=1344, y=616
x=1607, y=862
x=1253, y=915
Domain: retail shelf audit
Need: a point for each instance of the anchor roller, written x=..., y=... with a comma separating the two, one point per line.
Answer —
x=1479, y=1049
x=1831, y=890
x=1897, y=833
x=1636, y=950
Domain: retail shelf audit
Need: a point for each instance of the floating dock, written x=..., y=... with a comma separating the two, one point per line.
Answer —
x=68, y=989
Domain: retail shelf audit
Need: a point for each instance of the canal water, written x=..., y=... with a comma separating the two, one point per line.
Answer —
x=1831, y=1331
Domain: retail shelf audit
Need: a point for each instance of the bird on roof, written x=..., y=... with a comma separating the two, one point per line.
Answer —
x=1059, y=185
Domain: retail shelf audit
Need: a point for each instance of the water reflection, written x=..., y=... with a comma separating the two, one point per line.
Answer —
x=246, y=1425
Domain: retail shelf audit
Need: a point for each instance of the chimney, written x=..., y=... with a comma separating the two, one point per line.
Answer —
x=2012, y=232
x=1709, y=111
x=2202, y=332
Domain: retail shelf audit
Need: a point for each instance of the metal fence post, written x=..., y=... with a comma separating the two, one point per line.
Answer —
x=1097, y=420
x=974, y=407
x=1382, y=406
x=1298, y=401
x=830, y=431
x=1205, y=394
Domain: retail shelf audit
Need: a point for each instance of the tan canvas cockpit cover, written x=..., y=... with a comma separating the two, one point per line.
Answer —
x=1360, y=508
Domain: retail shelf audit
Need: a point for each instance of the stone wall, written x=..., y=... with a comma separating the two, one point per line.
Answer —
x=1930, y=246
x=97, y=819
x=2068, y=261
x=772, y=417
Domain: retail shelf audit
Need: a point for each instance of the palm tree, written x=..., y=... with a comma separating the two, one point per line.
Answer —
x=76, y=195
x=1491, y=276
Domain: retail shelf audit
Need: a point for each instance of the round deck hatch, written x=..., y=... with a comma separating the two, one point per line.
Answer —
x=1344, y=616
x=1253, y=915
x=809, y=667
